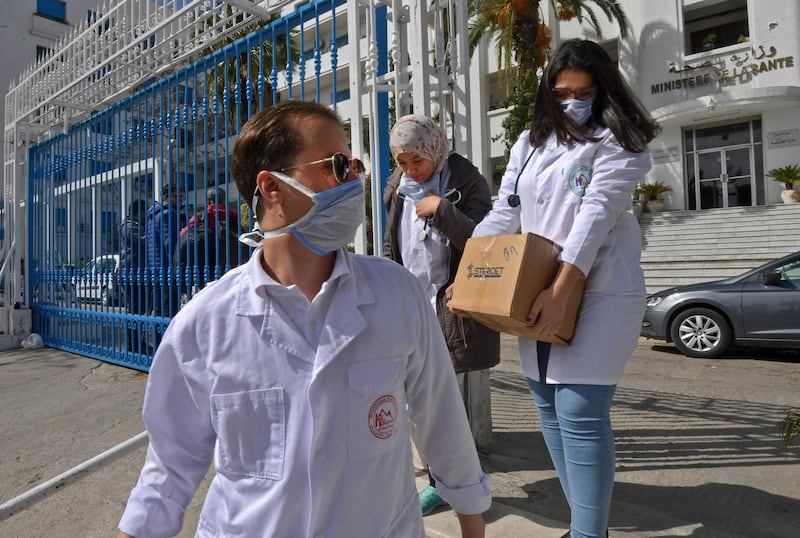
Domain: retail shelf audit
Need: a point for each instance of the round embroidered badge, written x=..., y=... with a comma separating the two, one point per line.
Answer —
x=579, y=179
x=382, y=416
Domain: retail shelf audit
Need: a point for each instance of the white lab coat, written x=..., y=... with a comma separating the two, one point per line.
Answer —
x=599, y=235
x=305, y=441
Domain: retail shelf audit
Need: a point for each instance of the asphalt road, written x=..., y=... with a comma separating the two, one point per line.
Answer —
x=698, y=450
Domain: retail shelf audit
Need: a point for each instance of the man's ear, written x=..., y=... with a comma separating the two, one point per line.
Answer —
x=268, y=187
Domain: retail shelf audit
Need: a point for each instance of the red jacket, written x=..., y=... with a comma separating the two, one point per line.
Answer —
x=212, y=213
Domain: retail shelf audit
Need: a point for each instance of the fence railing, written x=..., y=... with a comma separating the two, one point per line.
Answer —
x=133, y=209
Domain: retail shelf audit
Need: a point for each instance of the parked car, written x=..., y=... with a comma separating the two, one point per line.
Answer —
x=759, y=308
x=98, y=280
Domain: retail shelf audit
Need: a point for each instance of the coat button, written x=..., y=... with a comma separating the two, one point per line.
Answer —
x=540, y=201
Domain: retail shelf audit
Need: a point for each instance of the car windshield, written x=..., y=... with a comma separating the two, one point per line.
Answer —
x=790, y=271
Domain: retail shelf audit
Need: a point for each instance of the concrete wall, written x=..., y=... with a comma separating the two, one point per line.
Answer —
x=21, y=31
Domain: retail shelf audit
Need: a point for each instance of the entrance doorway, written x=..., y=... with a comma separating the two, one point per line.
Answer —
x=724, y=166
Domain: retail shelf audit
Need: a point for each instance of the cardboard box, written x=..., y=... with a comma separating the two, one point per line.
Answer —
x=500, y=276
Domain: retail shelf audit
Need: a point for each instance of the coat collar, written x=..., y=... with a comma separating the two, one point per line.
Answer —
x=343, y=321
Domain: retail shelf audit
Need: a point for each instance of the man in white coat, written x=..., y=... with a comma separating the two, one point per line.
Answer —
x=297, y=372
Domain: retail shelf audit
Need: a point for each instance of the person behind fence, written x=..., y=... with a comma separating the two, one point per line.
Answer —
x=287, y=376
x=209, y=242
x=434, y=199
x=571, y=179
x=162, y=232
x=132, y=262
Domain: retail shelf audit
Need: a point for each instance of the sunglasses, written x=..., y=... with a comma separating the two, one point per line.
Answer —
x=341, y=165
x=581, y=94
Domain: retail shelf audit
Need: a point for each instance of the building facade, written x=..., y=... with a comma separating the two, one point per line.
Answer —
x=720, y=76
x=31, y=28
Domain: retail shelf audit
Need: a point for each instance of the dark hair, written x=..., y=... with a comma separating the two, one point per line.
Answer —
x=615, y=105
x=169, y=189
x=216, y=195
x=270, y=141
x=137, y=207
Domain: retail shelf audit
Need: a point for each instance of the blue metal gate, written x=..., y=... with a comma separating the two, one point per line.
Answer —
x=94, y=287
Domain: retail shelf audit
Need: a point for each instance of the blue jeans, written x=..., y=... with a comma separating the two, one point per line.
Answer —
x=576, y=424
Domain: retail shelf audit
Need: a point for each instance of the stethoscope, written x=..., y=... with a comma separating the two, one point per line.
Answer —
x=513, y=199
x=423, y=233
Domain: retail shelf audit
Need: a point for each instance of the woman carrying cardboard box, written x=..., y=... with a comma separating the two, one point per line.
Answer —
x=570, y=179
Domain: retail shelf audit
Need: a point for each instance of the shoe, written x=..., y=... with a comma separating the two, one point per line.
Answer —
x=430, y=500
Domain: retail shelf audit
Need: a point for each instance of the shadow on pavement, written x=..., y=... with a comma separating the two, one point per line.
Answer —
x=707, y=511
x=752, y=353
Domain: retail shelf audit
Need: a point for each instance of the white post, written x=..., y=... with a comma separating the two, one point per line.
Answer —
x=479, y=123
x=418, y=50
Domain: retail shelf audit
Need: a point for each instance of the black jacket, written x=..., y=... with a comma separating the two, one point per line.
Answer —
x=472, y=346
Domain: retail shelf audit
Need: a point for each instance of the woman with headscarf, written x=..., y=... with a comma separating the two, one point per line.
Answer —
x=434, y=199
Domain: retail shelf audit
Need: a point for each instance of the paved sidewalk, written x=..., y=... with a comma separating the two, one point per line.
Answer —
x=697, y=450
x=502, y=521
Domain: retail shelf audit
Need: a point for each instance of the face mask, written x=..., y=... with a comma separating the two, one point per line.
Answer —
x=329, y=224
x=417, y=191
x=579, y=111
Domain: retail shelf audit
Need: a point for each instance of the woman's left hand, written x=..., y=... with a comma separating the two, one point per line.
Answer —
x=428, y=205
x=547, y=313
x=550, y=306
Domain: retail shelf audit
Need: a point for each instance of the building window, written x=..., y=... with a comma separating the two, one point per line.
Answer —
x=725, y=165
x=711, y=24
x=52, y=9
x=41, y=52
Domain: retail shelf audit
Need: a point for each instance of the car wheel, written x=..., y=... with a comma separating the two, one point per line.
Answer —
x=105, y=297
x=701, y=332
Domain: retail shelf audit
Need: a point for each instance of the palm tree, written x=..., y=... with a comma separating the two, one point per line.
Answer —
x=229, y=81
x=520, y=34
x=789, y=175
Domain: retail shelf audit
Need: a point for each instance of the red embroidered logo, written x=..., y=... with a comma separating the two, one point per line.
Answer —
x=382, y=416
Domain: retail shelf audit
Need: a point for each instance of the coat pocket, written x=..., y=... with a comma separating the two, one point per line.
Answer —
x=251, y=428
x=377, y=415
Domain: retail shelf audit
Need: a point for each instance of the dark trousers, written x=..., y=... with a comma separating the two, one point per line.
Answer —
x=165, y=303
x=133, y=295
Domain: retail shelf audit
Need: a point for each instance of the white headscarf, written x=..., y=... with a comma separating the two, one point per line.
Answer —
x=421, y=136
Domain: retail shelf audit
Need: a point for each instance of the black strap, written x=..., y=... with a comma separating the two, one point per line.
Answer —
x=513, y=199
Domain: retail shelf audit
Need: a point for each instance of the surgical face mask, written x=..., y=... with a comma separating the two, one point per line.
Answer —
x=416, y=191
x=329, y=224
x=579, y=111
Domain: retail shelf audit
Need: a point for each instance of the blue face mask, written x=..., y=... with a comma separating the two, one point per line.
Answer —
x=579, y=111
x=329, y=224
x=416, y=191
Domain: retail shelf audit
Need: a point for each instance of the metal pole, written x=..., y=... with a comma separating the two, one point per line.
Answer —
x=18, y=504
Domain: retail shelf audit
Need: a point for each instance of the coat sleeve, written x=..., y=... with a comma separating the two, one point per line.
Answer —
x=615, y=172
x=457, y=219
x=504, y=219
x=392, y=218
x=437, y=410
x=182, y=441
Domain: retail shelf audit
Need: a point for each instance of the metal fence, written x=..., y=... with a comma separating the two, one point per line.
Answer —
x=105, y=284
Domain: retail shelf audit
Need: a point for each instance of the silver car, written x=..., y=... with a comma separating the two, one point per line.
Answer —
x=759, y=308
x=98, y=280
